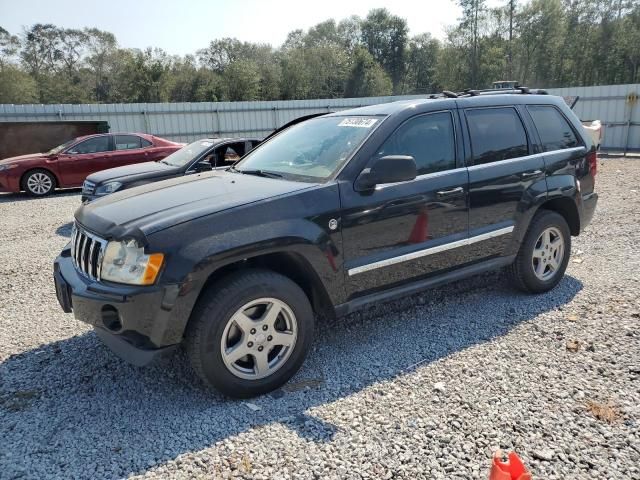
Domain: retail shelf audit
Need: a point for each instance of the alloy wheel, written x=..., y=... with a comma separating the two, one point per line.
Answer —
x=39, y=183
x=548, y=253
x=259, y=338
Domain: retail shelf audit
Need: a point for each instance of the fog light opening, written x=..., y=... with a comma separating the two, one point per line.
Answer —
x=111, y=318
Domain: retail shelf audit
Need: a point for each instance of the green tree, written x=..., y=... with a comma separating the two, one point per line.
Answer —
x=386, y=36
x=17, y=86
x=422, y=60
x=367, y=77
x=242, y=80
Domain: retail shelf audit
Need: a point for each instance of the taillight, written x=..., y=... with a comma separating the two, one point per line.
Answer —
x=592, y=158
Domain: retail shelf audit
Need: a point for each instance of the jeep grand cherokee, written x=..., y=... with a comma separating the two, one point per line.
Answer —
x=327, y=216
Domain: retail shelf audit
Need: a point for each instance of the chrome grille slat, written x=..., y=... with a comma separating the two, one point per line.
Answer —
x=87, y=252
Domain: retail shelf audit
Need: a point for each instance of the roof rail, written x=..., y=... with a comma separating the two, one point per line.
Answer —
x=501, y=91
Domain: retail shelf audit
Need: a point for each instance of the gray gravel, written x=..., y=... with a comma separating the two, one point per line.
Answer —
x=425, y=387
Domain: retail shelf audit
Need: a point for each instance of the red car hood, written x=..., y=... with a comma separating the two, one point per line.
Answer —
x=20, y=158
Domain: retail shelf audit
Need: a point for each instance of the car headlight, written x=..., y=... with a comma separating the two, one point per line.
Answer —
x=108, y=188
x=7, y=167
x=126, y=262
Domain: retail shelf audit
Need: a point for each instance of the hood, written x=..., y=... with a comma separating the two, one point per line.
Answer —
x=143, y=210
x=23, y=158
x=136, y=171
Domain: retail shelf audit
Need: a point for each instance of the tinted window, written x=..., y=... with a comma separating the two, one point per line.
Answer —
x=554, y=130
x=496, y=134
x=93, y=145
x=145, y=143
x=429, y=139
x=127, y=142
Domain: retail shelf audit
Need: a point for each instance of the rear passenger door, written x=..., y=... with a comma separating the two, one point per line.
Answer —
x=564, y=153
x=128, y=150
x=506, y=177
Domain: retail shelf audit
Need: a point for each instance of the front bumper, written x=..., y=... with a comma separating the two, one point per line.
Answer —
x=86, y=198
x=138, y=323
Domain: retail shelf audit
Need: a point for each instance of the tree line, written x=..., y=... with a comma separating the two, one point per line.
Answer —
x=539, y=43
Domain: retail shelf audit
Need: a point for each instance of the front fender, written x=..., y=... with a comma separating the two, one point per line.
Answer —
x=299, y=224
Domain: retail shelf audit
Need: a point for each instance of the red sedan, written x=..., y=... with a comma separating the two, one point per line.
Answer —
x=69, y=164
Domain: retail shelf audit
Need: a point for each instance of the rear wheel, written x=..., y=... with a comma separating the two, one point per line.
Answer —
x=39, y=183
x=250, y=333
x=544, y=253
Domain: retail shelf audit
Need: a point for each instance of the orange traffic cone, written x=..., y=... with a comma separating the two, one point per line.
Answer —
x=420, y=230
x=512, y=469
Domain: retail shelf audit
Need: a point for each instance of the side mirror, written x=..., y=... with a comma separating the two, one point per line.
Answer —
x=203, y=167
x=389, y=169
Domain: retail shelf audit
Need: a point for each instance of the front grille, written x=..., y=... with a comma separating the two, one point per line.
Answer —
x=88, y=187
x=87, y=251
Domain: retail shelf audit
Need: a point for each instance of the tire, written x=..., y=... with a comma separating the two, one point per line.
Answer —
x=542, y=273
x=216, y=329
x=39, y=183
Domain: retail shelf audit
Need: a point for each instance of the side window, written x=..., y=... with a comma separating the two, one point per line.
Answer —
x=231, y=153
x=127, y=142
x=145, y=143
x=496, y=134
x=554, y=130
x=428, y=138
x=93, y=145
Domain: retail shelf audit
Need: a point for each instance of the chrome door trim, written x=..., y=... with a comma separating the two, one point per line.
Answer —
x=527, y=157
x=430, y=251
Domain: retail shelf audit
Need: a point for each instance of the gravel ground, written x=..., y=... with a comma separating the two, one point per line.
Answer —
x=425, y=387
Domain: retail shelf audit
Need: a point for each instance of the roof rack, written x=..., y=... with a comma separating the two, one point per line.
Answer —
x=469, y=92
x=502, y=91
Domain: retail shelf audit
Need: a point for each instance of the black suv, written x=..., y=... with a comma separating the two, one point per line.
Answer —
x=325, y=217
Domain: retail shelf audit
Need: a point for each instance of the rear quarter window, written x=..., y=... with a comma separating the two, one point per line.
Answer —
x=554, y=130
x=496, y=134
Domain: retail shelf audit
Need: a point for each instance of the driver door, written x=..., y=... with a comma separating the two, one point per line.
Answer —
x=402, y=231
x=83, y=159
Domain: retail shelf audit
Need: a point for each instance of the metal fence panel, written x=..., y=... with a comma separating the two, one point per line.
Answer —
x=189, y=121
x=614, y=106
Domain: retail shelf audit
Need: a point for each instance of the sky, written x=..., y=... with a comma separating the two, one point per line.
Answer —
x=181, y=27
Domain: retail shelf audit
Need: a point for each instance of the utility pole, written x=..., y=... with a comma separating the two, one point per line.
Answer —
x=512, y=6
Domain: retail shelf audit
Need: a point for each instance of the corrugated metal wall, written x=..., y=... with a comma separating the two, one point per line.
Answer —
x=610, y=104
x=189, y=121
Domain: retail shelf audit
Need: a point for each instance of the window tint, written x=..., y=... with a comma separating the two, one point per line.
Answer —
x=554, y=130
x=496, y=134
x=429, y=139
x=127, y=142
x=145, y=143
x=93, y=145
x=229, y=154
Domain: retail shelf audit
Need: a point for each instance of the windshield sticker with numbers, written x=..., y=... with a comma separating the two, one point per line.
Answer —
x=358, y=122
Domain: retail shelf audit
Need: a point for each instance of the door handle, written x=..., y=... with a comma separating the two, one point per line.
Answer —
x=534, y=173
x=450, y=193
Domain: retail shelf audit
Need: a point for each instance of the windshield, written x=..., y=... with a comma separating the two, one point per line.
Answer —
x=59, y=148
x=310, y=151
x=186, y=154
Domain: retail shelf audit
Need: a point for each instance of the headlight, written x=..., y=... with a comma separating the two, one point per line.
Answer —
x=126, y=262
x=108, y=188
x=7, y=167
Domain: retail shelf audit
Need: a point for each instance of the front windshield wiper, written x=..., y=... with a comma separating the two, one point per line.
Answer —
x=260, y=173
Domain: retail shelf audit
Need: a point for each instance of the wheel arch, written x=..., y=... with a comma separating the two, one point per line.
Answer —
x=566, y=207
x=23, y=177
x=289, y=264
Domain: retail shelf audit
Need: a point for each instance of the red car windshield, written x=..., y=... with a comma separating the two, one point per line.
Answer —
x=59, y=148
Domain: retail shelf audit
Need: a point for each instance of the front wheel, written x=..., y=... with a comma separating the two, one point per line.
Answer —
x=544, y=253
x=250, y=333
x=39, y=183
